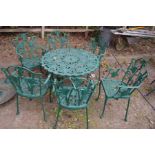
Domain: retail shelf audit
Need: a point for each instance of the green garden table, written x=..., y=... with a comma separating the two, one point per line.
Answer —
x=70, y=62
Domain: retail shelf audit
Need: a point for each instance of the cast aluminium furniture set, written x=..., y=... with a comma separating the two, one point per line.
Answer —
x=68, y=72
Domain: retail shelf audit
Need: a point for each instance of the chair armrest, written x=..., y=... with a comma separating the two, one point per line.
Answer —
x=130, y=87
x=122, y=86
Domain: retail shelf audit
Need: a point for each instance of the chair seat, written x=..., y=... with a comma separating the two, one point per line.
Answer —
x=26, y=89
x=111, y=88
x=73, y=103
x=31, y=62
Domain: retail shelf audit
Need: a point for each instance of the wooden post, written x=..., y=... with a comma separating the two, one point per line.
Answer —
x=42, y=32
x=86, y=33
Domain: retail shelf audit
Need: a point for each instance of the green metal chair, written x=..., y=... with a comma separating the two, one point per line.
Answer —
x=28, y=84
x=123, y=89
x=28, y=51
x=98, y=47
x=73, y=94
x=56, y=40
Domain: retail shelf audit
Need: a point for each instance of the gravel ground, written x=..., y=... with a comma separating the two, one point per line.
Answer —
x=141, y=114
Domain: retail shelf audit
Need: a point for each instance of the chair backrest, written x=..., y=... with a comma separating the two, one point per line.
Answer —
x=25, y=82
x=57, y=39
x=19, y=38
x=25, y=46
x=135, y=74
x=100, y=46
x=75, y=90
x=134, y=70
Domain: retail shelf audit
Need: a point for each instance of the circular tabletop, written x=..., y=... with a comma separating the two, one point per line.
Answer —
x=70, y=62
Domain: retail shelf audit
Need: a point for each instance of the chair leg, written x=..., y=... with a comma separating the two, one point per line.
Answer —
x=99, y=91
x=87, y=118
x=50, y=95
x=57, y=117
x=126, y=115
x=99, y=73
x=99, y=79
x=17, y=105
x=105, y=102
x=43, y=109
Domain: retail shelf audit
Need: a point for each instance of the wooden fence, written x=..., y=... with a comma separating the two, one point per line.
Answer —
x=42, y=30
